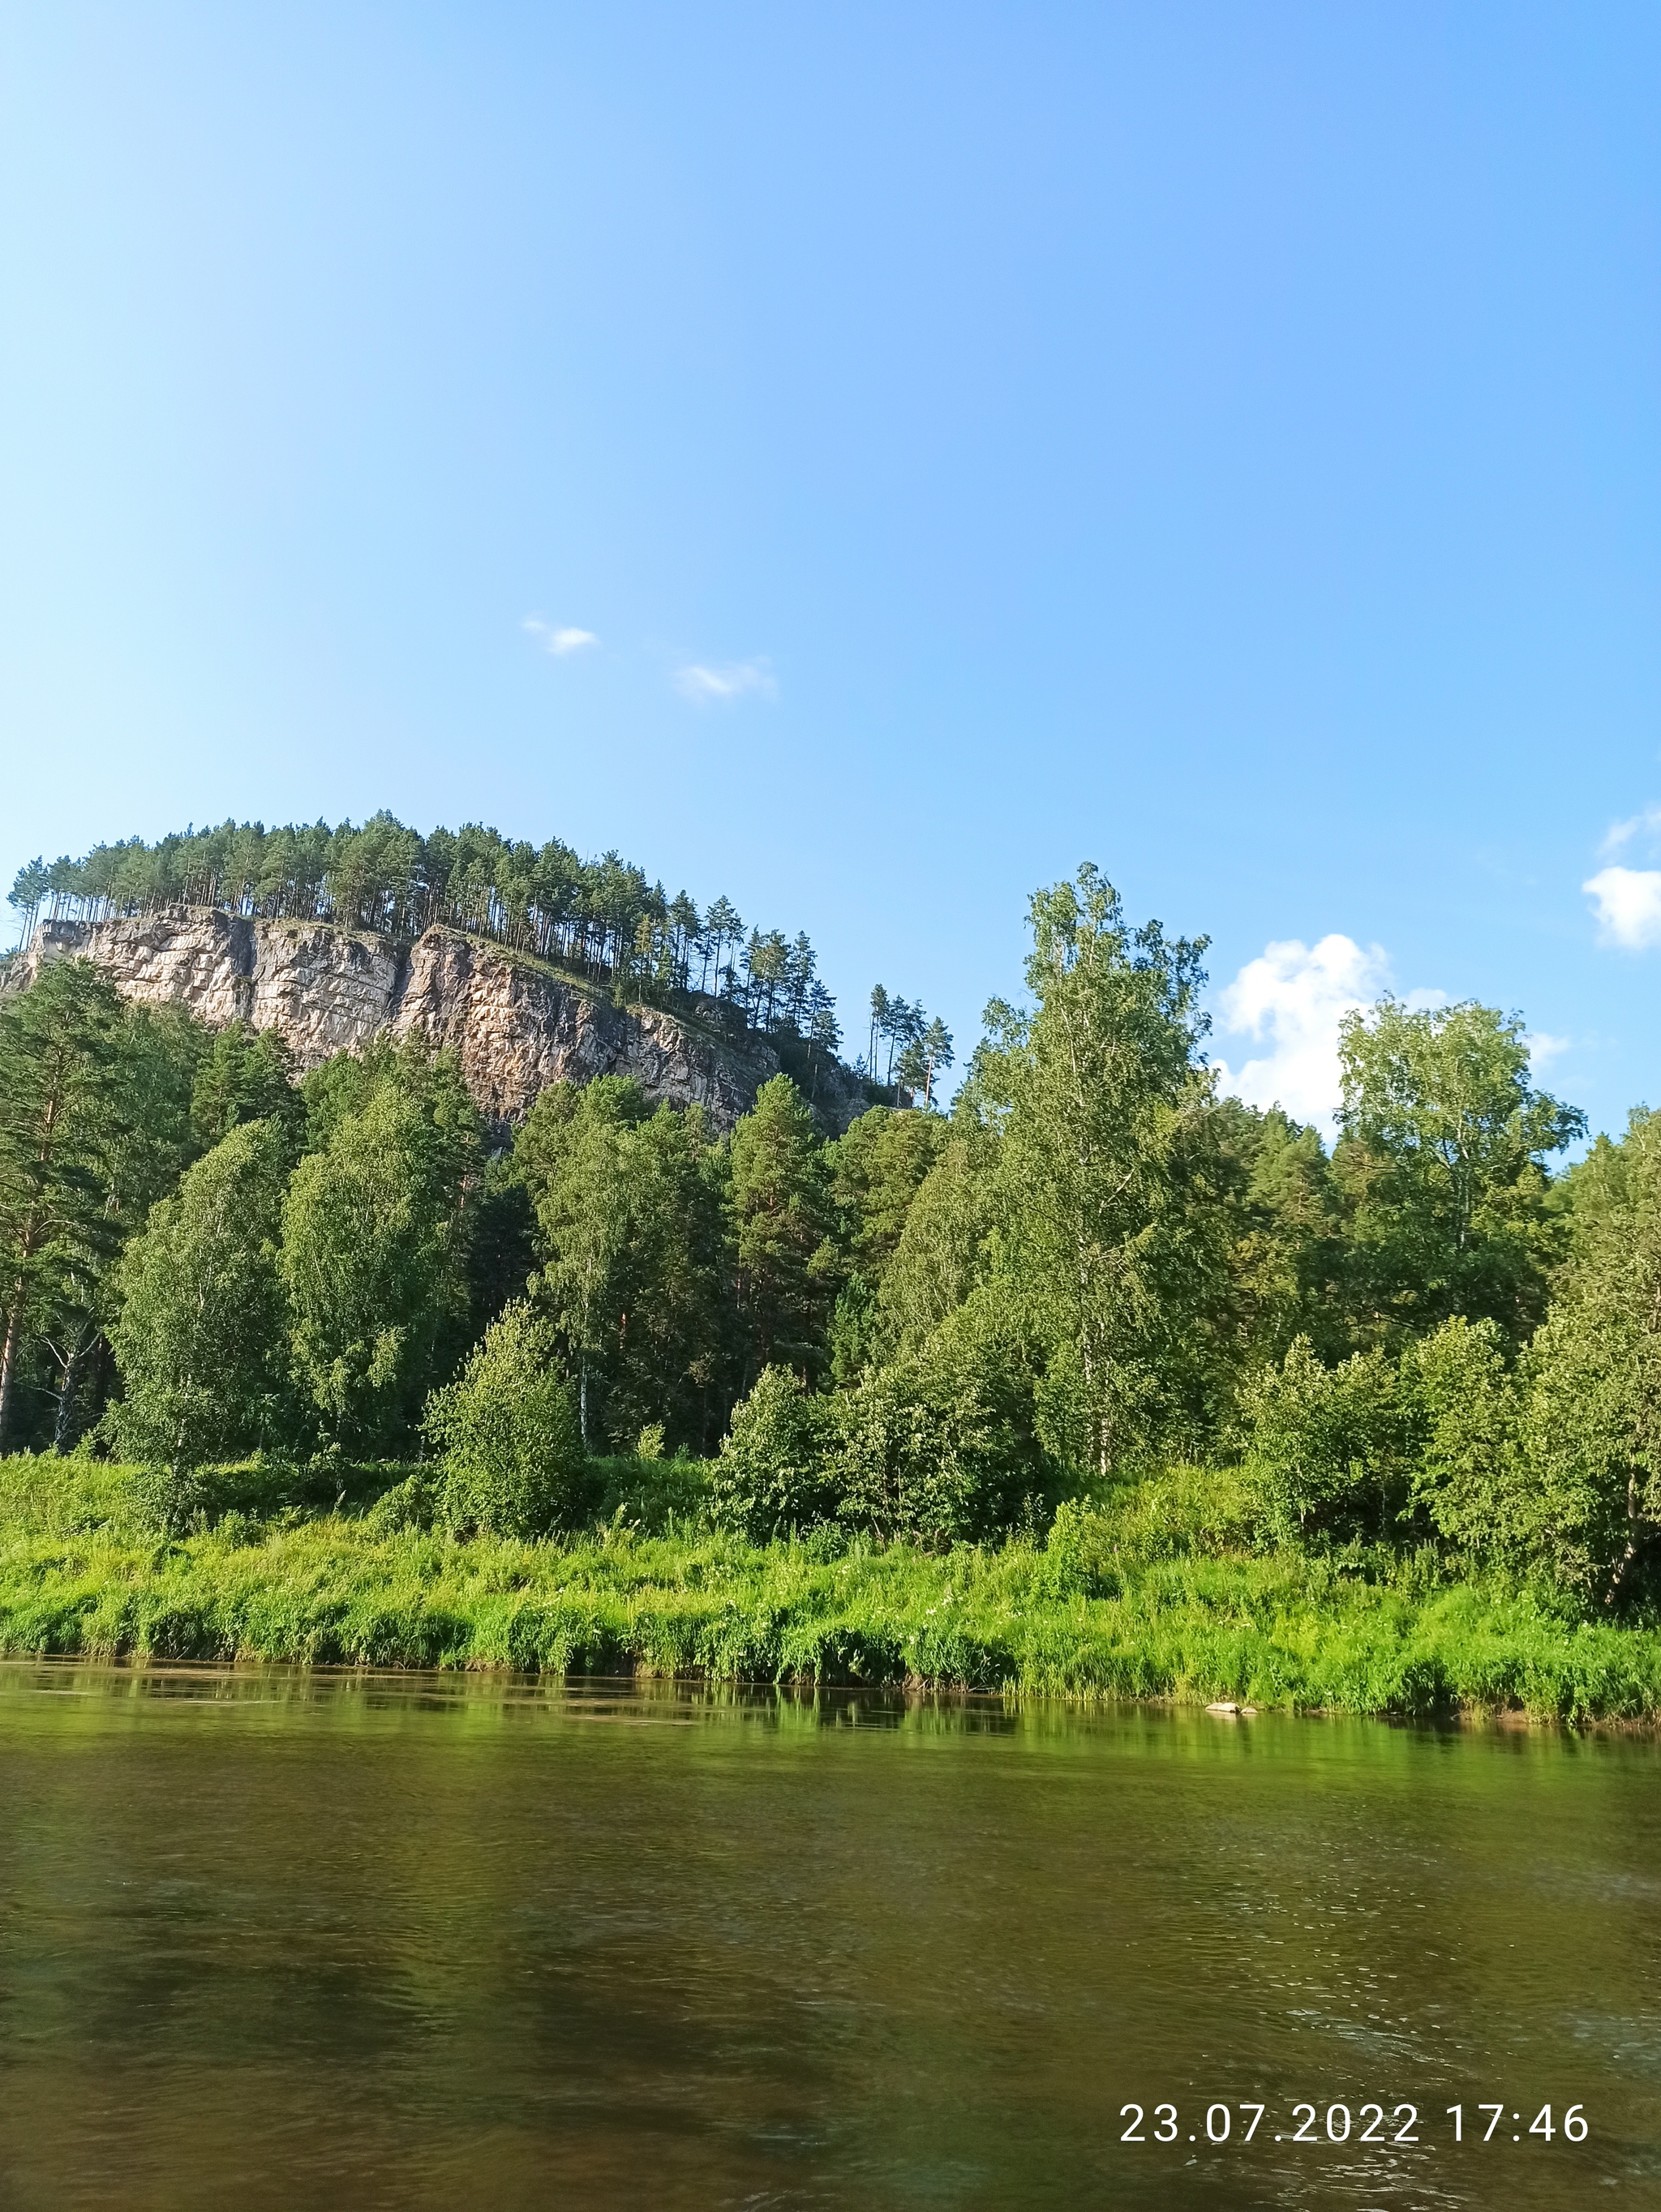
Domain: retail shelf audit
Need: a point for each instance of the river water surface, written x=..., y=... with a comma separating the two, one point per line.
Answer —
x=281, y=1940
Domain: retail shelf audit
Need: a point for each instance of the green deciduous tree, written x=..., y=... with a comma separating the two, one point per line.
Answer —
x=940, y=1447
x=202, y=1337
x=373, y=1260
x=573, y=1154
x=1093, y=1091
x=1441, y=1164
x=629, y=1228
x=773, y=1474
x=1589, y=1439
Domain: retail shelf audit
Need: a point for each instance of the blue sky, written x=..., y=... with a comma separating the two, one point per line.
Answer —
x=1218, y=441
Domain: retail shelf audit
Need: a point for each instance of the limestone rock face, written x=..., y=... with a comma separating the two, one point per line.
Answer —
x=326, y=990
x=516, y=1028
x=514, y=1025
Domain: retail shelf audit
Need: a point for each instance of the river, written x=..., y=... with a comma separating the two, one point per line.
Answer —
x=269, y=1939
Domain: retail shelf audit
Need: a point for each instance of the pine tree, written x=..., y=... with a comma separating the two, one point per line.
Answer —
x=781, y=1218
x=62, y=1119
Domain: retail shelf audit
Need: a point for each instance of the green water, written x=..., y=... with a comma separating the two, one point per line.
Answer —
x=273, y=1940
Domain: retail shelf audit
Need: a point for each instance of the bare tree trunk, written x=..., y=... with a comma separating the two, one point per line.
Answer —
x=1634, y=1543
x=63, y=1434
x=9, y=1354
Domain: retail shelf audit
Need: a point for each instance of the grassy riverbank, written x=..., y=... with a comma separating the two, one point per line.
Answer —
x=1080, y=1617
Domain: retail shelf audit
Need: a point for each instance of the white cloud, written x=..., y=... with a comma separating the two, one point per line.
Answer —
x=740, y=678
x=1542, y=1046
x=556, y=640
x=1628, y=901
x=1621, y=834
x=1294, y=996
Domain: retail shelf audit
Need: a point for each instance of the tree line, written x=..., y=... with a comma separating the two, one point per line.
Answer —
x=601, y=919
x=938, y=1326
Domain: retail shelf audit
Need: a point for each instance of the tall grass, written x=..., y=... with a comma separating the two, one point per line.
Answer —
x=84, y=1571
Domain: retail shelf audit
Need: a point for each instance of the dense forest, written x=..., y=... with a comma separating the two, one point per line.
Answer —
x=1094, y=1282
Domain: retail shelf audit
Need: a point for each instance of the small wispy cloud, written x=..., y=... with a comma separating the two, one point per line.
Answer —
x=1543, y=1046
x=737, y=680
x=1620, y=834
x=1628, y=903
x=559, y=639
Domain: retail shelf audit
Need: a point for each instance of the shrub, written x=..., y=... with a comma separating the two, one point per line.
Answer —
x=511, y=1458
x=935, y=1448
x=1469, y=1479
x=772, y=1474
x=1581, y=1500
x=925, y=1450
x=407, y=1504
x=646, y=1493
x=1180, y=1513
x=899, y=1468
x=1328, y=1447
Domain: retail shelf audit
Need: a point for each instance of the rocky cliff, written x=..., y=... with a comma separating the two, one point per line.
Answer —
x=514, y=1023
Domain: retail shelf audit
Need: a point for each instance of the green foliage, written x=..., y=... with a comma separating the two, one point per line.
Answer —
x=781, y=1214
x=857, y=1337
x=93, y=1127
x=939, y=1257
x=936, y=1448
x=876, y=1171
x=502, y=1253
x=628, y=1207
x=245, y=1075
x=1094, y=1092
x=409, y=1505
x=1328, y=1447
x=1590, y=1426
x=648, y=1493
x=1095, y=1276
x=372, y=1261
x=1181, y=1512
x=1441, y=1164
x=1273, y=1180
x=506, y=1431
x=575, y=1157
x=1478, y=1490
x=600, y=917
x=1375, y=1446
x=201, y=1336
x=772, y=1474
x=73, y=1494
x=1375, y=1635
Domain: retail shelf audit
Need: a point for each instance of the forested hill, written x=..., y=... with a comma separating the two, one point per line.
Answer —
x=599, y=919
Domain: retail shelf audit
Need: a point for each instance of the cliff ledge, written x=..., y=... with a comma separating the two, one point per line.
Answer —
x=516, y=1025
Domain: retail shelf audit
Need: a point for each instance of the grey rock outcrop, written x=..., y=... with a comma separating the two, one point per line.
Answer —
x=516, y=1025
